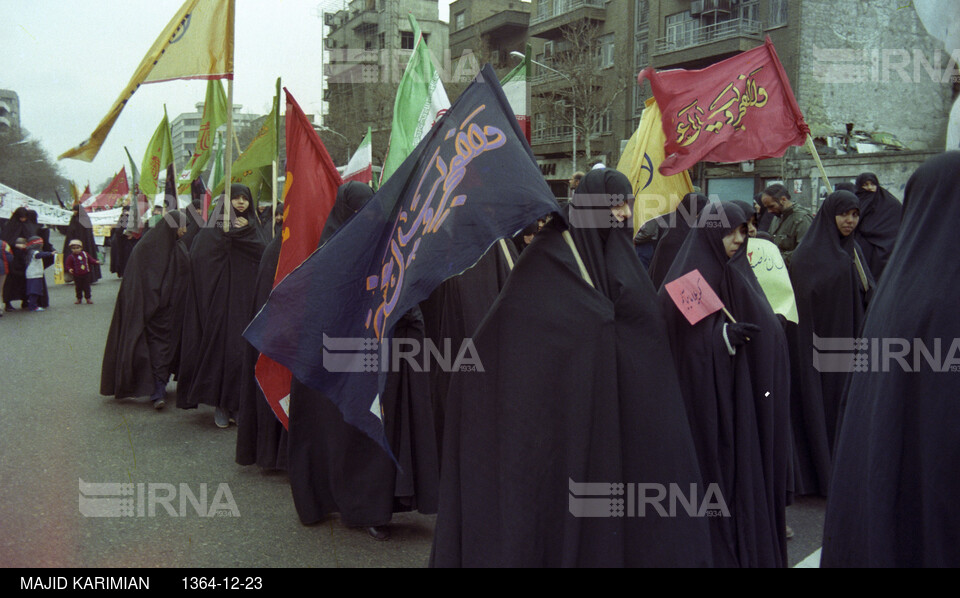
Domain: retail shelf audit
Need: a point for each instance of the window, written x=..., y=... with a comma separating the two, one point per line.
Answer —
x=643, y=13
x=605, y=50
x=406, y=40
x=778, y=13
x=749, y=10
x=641, y=53
x=383, y=40
x=680, y=29
x=459, y=20
x=604, y=125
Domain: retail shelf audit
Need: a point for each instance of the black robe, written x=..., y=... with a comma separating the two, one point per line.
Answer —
x=454, y=310
x=15, y=285
x=218, y=307
x=673, y=232
x=896, y=474
x=831, y=302
x=738, y=405
x=879, y=223
x=577, y=386
x=261, y=438
x=336, y=468
x=147, y=317
x=121, y=246
x=81, y=228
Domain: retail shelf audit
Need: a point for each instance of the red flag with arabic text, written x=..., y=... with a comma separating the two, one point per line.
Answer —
x=741, y=108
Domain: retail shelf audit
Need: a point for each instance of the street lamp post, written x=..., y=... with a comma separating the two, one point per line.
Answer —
x=521, y=56
x=346, y=141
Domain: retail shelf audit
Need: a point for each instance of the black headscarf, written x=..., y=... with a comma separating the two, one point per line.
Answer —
x=738, y=405
x=879, y=222
x=351, y=196
x=831, y=302
x=223, y=278
x=594, y=398
x=896, y=474
x=674, y=232
x=144, y=334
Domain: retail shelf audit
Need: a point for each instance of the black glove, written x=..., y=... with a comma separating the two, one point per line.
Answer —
x=738, y=334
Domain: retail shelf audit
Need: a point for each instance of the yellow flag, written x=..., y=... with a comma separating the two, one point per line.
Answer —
x=656, y=194
x=196, y=44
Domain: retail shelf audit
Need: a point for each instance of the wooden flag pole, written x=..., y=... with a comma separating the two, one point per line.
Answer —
x=273, y=194
x=228, y=160
x=729, y=315
x=506, y=254
x=576, y=255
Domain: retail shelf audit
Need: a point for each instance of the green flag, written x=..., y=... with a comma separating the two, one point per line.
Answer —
x=420, y=101
x=214, y=115
x=254, y=166
x=159, y=154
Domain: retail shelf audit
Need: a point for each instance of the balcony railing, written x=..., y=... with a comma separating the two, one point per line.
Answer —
x=547, y=9
x=708, y=33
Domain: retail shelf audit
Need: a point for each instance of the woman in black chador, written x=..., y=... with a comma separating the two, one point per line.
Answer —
x=879, y=222
x=336, y=468
x=218, y=307
x=596, y=402
x=896, y=472
x=673, y=233
x=145, y=330
x=24, y=224
x=735, y=379
x=831, y=300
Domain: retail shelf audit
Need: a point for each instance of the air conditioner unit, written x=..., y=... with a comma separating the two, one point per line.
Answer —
x=495, y=56
x=696, y=8
x=548, y=50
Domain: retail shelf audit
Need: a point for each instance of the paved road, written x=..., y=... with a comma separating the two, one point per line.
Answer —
x=55, y=430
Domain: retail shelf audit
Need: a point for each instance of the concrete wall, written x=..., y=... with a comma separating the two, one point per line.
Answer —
x=864, y=63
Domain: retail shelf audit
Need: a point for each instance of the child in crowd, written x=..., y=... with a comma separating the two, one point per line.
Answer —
x=35, y=281
x=78, y=265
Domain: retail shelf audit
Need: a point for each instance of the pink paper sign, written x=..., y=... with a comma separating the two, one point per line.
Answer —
x=693, y=296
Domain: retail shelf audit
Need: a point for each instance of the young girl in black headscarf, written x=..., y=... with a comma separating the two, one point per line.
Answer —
x=831, y=292
x=879, y=222
x=219, y=305
x=736, y=383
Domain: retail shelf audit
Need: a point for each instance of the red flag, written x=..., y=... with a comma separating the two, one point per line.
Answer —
x=309, y=192
x=741, y=108
x=114, y=192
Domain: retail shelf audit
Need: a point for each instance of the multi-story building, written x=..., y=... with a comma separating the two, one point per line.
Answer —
x=366, y=47
x=185, y=128
x=9, y=110
x=490, y=30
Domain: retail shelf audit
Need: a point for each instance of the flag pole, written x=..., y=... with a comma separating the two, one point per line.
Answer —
x=576, y=255
x=273, y=193
x=228, y=160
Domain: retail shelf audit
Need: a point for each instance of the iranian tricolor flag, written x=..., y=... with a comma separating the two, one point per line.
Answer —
x=360, y=167
x=515, y=88
x=420, y=101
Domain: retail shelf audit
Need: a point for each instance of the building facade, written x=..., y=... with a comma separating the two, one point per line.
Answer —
x=366, y=47
x=9, y=110
x=185, y=128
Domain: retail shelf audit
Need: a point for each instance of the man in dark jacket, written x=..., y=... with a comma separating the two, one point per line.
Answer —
x=791, y=220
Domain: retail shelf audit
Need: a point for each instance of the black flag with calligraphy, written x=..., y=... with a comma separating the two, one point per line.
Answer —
x=471, y=181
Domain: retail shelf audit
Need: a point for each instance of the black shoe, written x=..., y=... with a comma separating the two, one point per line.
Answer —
x=10, y=307
x=379, y=532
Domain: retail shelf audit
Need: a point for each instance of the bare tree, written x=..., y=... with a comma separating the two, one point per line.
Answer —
x=26, y=167
x=593, y=82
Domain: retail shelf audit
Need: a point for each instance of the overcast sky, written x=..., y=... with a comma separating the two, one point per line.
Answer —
x=68, y=60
